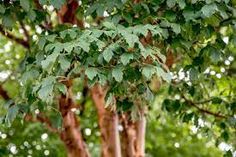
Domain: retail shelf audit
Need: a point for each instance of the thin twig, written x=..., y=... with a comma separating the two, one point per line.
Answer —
x=193, y=104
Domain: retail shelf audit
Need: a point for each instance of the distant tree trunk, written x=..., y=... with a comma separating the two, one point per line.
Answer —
x=133, y=136
x=71, y=134
x=108, y=123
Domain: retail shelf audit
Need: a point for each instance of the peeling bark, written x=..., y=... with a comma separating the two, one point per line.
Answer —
x=71, y=135
x=67, y=13
x=108, y=123
x=133, y=136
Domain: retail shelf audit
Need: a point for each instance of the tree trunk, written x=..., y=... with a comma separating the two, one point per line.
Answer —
x=71, y=135
x=133, y=136
x=108, y=123
x=141, y=129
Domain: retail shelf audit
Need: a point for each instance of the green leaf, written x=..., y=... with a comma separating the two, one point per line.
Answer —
x=181, y=4
x=164, y=75
x=84, y=45
x=61, y=87
x=41, y=43
x=50, y=60
x=56, y=120
x=130, y=39
x=148, y=71
x=57, y=3
x=45, y=92
x=11, y=114
x=91, y=72
x=126, y=57
x=176, y=28
x=117, y=73
x=2, y=9
x=107, y=54
x=171, y=3
x=109, y=25
x=8, y=21
x=193, y=74
x=209, y=10
x=51, y=37
x=71, y=32
x=32, y=15
x=42, y=2
x=64, y=63
x=25, y=4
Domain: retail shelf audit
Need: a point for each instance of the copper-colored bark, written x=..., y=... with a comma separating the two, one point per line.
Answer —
x=133, y=136
x=71, y=134
x=67, y=13
x=108, y=123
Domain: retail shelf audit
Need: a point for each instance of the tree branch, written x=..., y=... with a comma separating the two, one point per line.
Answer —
x=193, y=104
x=42, y=119
x=20, y=41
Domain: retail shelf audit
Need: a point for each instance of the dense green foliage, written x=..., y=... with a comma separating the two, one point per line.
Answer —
x=125, y=45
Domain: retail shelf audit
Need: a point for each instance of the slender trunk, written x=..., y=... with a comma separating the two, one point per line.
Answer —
x=71, y=135
x=128, y=137
x=108, y=123
x=133, y=136
x=141, y=129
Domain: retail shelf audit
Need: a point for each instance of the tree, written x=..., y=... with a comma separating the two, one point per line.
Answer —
x=120, y=54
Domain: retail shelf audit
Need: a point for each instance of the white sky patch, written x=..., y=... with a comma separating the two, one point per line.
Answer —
x=38, y=147
x=231, y=58
x=177, y=97
x=105, y=14
x=207, y=71
x=38, y=29
x=21, y=31
x=86, y=25
x=227, y=62
x=226, y=40
x=3, y=136
x=181, y=74
x=13, y=149
x=78, y=95
x=73, y=109
x=17, y=56
x=26, y=143
x=7, y=62
x=44, y=136
x=27, y=27
x=36, y=111
x=50, y=8
x=87, y=131
x=46, y=152
x=194, y=129
x=212, y=72
x=177, y=145
x=120, y=128
x=4, y=75
x=218, y=76
x=224, y=146
x=222, y=69
x=35, y=37
x=201, y=122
